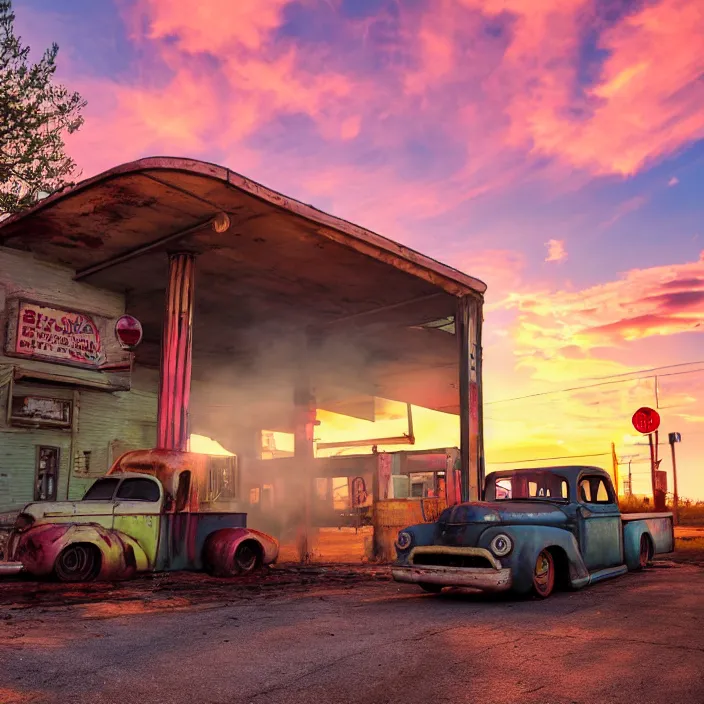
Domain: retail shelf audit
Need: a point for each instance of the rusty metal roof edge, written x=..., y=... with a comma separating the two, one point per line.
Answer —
x=461, y=283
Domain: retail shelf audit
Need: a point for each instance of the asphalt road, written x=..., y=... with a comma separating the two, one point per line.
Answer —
x=352, y=637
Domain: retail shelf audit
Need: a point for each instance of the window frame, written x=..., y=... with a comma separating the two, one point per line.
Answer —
x=564, y=484
x=117, y=497
x=103, y=479
x=611, y=499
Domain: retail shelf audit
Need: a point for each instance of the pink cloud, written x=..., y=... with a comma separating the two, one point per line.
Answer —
x=556, y=251
x=659, y=301
x=495, y=100
x=647, y=103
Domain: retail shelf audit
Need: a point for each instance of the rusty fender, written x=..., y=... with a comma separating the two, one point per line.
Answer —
x=221, y=546
x=38, y=548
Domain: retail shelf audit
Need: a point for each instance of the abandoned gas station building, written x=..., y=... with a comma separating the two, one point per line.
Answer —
x=256, y=311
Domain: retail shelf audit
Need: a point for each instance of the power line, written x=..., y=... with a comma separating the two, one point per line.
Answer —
x=549, y=459
x=589, y=386
x=647, y=371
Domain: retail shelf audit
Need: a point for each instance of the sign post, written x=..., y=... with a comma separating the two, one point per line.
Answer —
x=673, y=438
x=646, y=421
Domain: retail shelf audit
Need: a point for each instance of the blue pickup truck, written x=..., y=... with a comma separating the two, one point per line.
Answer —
x=535, y=531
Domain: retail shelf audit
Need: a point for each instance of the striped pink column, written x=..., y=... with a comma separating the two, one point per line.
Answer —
x=176, y=351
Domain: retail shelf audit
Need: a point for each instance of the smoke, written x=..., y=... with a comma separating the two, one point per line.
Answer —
x=345, y=369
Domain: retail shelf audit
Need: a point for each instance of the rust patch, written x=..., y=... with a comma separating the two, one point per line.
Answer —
x=77, y=241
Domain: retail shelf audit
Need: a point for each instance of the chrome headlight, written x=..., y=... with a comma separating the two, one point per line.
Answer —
x=404, y=540
x=501, y=545
x=23, y=522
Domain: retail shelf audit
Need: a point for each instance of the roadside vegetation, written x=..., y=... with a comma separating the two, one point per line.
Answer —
x=691, y=513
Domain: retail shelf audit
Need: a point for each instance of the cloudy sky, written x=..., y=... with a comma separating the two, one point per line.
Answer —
x=552, y=148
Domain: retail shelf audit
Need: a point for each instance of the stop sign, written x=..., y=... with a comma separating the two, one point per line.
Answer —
x=128, y=331
x=646, y=420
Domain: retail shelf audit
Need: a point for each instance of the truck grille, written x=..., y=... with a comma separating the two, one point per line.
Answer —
x=442, y=559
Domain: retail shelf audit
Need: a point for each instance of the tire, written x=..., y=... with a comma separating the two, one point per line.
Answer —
x=431, y=588
x=544, y=575
x=247, y=557
x=644, y=552
x=78, y=563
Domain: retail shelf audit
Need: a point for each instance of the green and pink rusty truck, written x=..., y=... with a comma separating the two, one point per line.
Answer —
x=155, y=510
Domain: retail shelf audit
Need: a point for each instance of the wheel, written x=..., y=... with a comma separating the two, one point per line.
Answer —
x=544, y=575
x=431, y=588
x=78, y=563
x=246, y=558
x=644, y=553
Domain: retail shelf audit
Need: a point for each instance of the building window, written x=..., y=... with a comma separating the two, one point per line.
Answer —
x=47, y=474
x=41, y=411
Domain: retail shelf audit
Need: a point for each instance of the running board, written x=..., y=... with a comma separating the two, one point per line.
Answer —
x=608, y=573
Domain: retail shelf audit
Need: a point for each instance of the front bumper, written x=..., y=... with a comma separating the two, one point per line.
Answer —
x=495, y=578
x=486, y=579
x=7, y=568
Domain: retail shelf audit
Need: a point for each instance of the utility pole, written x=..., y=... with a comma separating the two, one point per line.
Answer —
x=652, y=465
x=673, y=438
x=630, y=478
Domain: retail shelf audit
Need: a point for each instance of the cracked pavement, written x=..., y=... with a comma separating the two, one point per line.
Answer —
x=345, y=636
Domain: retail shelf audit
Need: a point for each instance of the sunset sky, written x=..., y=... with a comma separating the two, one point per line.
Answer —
x=552, y=148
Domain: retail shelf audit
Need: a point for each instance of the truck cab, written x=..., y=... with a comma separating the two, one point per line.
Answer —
x=155, y=510
x=535, y=530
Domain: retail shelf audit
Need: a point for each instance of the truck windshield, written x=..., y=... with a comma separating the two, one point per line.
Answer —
x=531, y=485
x=102, y=490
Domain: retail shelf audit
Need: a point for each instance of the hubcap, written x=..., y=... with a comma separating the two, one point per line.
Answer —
x=542, y=575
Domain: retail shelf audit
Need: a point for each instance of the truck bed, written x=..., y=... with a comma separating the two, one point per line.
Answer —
x=658, y=526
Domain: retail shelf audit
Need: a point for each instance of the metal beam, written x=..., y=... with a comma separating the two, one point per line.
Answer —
x=377, y=311
x=139, y=251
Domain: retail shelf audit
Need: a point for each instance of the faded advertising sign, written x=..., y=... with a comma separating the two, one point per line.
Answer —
x=57, y=335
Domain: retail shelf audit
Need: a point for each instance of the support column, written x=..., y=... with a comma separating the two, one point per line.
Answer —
x=304, y=456
x=176, y=349
x=468, y=326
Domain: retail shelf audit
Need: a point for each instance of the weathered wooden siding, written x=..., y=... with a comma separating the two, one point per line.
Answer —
x=105, y=423
x=108, y=425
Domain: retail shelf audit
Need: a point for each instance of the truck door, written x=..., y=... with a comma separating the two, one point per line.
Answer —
x=138, y=512
x=600, y=536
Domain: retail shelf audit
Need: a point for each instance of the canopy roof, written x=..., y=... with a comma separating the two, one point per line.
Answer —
x=282, y=269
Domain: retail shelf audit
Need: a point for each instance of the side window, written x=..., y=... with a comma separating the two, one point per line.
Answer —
x=503, y=488
x=184, y=488
x=602, y=495
x=593, y=490
x=138, y=490
x=102, y=490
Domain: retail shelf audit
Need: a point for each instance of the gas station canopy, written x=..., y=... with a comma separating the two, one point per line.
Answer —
x=284, y=286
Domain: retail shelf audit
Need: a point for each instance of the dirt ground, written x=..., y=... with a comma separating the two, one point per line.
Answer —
x=335, y=633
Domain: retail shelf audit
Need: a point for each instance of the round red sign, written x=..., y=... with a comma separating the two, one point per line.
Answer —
x=128, y=331
x=646, y=420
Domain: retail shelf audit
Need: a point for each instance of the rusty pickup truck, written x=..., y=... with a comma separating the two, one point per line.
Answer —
x=536, y=530
x=155, y=510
